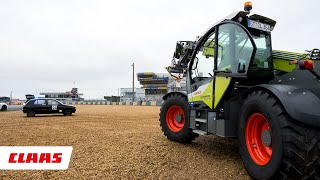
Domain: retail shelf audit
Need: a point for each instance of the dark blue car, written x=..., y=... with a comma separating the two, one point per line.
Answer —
x=47, y=106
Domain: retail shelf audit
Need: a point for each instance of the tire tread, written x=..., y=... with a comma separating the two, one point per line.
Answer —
x=188, y=137
x=301, y=143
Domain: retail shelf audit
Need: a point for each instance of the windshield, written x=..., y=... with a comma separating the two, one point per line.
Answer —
x=262, y=59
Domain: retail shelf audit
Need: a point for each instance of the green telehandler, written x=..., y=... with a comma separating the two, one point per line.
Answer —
x=237, y=86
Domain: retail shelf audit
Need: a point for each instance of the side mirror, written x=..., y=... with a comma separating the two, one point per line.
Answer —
x=195, y=63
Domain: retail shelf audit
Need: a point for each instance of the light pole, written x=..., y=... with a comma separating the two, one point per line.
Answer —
x=132, y=99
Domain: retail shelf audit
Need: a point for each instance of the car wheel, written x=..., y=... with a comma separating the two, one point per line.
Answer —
x=67, y=113
x=4, y=107
x=31, y=114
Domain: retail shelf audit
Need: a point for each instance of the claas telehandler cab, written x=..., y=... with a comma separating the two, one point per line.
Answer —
x=237, y=86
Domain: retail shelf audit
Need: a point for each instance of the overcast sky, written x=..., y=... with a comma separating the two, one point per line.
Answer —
x=46, y=45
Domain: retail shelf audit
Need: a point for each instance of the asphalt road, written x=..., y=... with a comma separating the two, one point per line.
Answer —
x=14, y=108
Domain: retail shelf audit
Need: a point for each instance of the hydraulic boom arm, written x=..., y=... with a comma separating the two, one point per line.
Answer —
x=181, y=58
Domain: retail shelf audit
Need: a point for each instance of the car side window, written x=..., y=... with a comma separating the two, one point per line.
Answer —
x=52, y=102
x=40, y=102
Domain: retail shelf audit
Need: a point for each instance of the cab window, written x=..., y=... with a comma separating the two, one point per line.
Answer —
x=262, y=59
x=234, y=49
x=204, y=63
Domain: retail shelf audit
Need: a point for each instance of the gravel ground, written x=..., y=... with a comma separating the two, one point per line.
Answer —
x=119, y=142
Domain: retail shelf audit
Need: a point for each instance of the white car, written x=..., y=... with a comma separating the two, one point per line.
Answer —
x=3, y=106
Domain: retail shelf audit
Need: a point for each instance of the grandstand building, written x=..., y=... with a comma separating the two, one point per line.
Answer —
x=126, y=94
x=155, y=85
x=72, y=95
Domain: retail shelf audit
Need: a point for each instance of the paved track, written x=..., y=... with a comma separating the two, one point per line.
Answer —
x=14, y=108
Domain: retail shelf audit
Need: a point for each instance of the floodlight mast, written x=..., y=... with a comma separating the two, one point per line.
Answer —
x=132, y=99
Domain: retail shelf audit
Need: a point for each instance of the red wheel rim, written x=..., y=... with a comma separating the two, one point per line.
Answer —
x=175, y=118
x=258, y=128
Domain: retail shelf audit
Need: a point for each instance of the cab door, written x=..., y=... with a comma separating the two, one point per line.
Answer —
x=235, y=52
x=200, y=94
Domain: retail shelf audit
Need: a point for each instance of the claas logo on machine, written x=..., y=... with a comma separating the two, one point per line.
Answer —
x=197, y=93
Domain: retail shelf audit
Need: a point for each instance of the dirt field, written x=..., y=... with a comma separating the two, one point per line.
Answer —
x=116, y=142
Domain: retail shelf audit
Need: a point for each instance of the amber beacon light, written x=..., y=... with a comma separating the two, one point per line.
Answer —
x=248, y=6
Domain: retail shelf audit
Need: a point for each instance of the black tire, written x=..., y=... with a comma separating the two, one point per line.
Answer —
x=295, y=146
x=67, y=113
x=184, y=135
x=4, y=108
x=31, y=114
